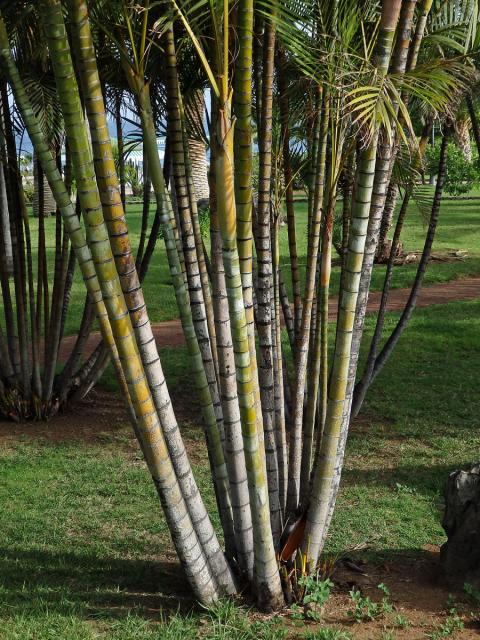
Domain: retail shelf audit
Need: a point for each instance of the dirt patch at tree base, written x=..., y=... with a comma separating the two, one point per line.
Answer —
x=98, y=418
x=422, y=604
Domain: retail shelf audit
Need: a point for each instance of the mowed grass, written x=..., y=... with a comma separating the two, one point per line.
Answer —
x=85, y=552
x=459, y=222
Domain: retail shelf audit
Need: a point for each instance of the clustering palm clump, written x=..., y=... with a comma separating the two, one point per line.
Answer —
x=338, y=98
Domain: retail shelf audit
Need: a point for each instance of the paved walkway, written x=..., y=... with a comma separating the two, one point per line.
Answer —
x=170, y=334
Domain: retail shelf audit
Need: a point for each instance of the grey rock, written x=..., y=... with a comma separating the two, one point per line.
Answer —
x=460, y=555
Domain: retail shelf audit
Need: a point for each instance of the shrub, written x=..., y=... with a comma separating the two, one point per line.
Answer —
x=460, y=174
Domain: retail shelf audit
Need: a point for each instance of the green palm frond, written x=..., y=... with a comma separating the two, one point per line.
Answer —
x=438, y=84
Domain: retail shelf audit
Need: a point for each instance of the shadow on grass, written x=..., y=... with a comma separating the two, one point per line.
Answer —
x=96, y=587
x=411, y=478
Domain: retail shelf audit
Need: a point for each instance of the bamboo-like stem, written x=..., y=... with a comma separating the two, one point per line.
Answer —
x=120, y=147
x=72, y=262
x=317, y=394
x=424, y=10
x=302, y=342
x=90, y=373
x=286, y=309
x=147, y=187
x=264, y=288
x=35, y=338
x=234, y=451
x=267, y=579
x=66, y=378
x=474, y=121
x=204, y=328
x=197, y=235
x=6, y=270
x=323, y=481
x=178, y=517
x=242, y=105
x=12, y=179
x=280, y=426
x=387, y=217
x=58, y=292
x=122, y=252
x=401, y=325
x=213, y=434
x=383, y=172
x=289, y=201
x=6, y=366
x=362, y=386
x=4, y=213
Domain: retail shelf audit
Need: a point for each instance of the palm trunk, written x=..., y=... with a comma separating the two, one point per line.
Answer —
x=6, y=246
x=203, y=312
x=15, y=207
x=234, y=451
x=125, y=265
x=181, y=293
x=461, y=136
x=424, y=10
x=120, y=147
x=147, y=187
x=264, y=288
x=242, y=93
x=280, y=422
x=7, y=270
x=474, y=121
x=267, y=579
x=362, y=386
x=289, y=202
x=302, y=343
x=178, y=517
x=323, y=481
x=386, y=223
x=195, y=147
x=286, y=310
x=65, y=381
x=383, y=173
x=55, y=326
x=318, y=372
x=422, y=266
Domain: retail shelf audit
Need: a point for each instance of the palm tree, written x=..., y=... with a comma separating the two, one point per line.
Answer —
x=347, y=113
x=461, y=133
x=6, y=236
x=194, y=115
x=43, y=200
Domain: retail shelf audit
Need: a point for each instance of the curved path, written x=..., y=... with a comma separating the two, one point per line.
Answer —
x=170, y=334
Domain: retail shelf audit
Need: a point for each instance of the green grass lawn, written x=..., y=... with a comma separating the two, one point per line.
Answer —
x=459, y=222
x=84, y=550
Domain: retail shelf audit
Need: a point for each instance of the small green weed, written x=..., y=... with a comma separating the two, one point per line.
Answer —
x=401, y=622
x=366, y=609
x=404, y=488
x=472, y=592
x=316, y=593
x=451, y=625
x=328, y=633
